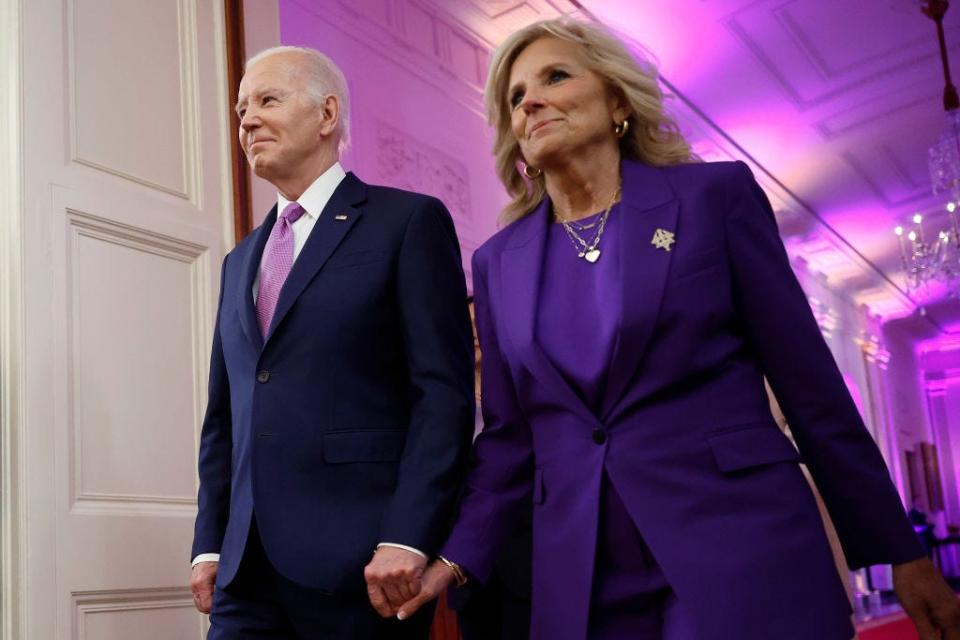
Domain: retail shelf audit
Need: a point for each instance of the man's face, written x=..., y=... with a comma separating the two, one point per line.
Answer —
x=280, y=126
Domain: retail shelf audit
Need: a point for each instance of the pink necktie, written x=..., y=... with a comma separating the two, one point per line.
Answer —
x=275, y=266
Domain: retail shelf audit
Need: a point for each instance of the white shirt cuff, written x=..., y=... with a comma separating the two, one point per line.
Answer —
x=404, y=547
x=205, y=557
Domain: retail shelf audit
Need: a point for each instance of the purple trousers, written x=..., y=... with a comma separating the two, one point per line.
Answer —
x=631, y=598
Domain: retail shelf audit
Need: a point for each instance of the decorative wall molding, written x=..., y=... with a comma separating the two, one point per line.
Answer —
x=873, y=349
x=916, y=97
x=898, y=188
x=406, y=32
x=836, y=82
x=89, y=603
x=817, y=58
x=189, y=189
x=827, y=319
x=412, y=164
x=82, y=225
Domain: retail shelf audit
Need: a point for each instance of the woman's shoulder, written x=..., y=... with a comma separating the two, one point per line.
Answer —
x=503, y=237
x=708, y=172
x=712, y=180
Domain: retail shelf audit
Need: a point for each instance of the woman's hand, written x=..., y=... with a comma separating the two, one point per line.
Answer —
x=927, y=599
x=436, y=578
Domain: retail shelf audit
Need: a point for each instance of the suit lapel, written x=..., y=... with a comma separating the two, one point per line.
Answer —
x=250, y=266
x=521, y=264
x=329, y=230
x=648, y=204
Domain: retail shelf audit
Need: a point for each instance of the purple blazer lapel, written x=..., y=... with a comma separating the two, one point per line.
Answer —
x=521, y=263
x=251, y=264
x=648, y=204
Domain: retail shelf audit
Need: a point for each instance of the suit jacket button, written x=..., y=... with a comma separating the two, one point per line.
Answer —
x=599, y=436
x=263, y=376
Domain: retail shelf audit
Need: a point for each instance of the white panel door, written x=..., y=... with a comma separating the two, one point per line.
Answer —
x=126, y=194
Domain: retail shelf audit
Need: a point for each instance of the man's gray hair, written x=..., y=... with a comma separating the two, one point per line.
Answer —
x=322, y=78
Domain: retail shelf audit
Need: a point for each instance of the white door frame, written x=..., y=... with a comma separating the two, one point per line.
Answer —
x=13, y=573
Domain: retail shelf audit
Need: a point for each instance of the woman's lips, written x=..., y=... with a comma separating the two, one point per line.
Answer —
x=540, y=125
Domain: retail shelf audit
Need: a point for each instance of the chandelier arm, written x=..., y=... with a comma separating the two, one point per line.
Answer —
x=950, y=99
x=936, y=10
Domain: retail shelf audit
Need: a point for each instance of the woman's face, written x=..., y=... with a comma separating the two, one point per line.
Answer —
x=559, y=108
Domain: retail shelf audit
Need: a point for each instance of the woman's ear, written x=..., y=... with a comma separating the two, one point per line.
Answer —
x=619, y=107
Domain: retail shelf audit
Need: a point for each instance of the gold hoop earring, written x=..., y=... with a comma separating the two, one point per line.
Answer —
x=621, y=129
x=534, y=174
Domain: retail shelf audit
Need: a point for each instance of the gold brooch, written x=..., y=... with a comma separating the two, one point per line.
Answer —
x=662, y=239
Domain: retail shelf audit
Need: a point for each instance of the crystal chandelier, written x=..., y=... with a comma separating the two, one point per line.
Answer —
x=937, y=260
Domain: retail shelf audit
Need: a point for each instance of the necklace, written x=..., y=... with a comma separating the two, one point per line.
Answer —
x=588, y=249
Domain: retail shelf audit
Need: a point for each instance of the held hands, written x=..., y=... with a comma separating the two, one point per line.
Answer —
x=930, y=603
x=202, y=578
x=435, y=580
x=393, y=577
x=402, y=591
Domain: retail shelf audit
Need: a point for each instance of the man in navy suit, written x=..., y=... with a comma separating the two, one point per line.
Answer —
x=341, y=383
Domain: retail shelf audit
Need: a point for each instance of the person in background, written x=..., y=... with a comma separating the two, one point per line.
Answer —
x=341, y=396
x=627, y=315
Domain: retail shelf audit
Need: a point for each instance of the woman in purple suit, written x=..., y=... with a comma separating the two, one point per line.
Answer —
x=627, y=315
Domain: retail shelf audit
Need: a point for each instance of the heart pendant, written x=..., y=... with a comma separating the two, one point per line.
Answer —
x=592, y=256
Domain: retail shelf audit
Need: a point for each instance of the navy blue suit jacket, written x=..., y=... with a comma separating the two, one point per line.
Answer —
x=348, y=425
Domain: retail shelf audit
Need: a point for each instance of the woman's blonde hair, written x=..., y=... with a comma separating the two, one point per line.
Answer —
x=653, y=136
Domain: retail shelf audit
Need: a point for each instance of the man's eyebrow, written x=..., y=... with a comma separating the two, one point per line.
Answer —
x=273, y=90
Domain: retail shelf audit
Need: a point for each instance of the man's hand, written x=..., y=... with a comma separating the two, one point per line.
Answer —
x=437, y=577
x=202, y=578
x=927, y=599
x=393, y=577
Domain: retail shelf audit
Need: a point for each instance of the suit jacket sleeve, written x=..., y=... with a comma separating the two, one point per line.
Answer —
x=216, y=448
x=780, y=328
x=438, y=341
x=500, y=483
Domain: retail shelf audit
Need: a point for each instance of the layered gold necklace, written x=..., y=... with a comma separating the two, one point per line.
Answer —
x=588, y=250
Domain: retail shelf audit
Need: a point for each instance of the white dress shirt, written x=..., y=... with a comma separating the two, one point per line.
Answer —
x=313, y=200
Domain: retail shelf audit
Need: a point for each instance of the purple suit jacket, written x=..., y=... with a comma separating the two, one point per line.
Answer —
x=685, y=431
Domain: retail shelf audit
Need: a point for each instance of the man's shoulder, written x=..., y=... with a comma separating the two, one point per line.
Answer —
x=395, y=198
x=244, y=245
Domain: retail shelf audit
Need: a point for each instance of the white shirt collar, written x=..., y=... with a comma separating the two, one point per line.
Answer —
x=315, y=198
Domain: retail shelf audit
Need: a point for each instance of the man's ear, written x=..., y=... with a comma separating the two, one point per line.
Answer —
x=329, y=115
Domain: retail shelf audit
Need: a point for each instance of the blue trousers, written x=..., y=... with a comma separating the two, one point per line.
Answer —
x=261, y=603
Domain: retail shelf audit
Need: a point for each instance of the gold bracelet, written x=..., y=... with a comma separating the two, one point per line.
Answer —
x=458, y=575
